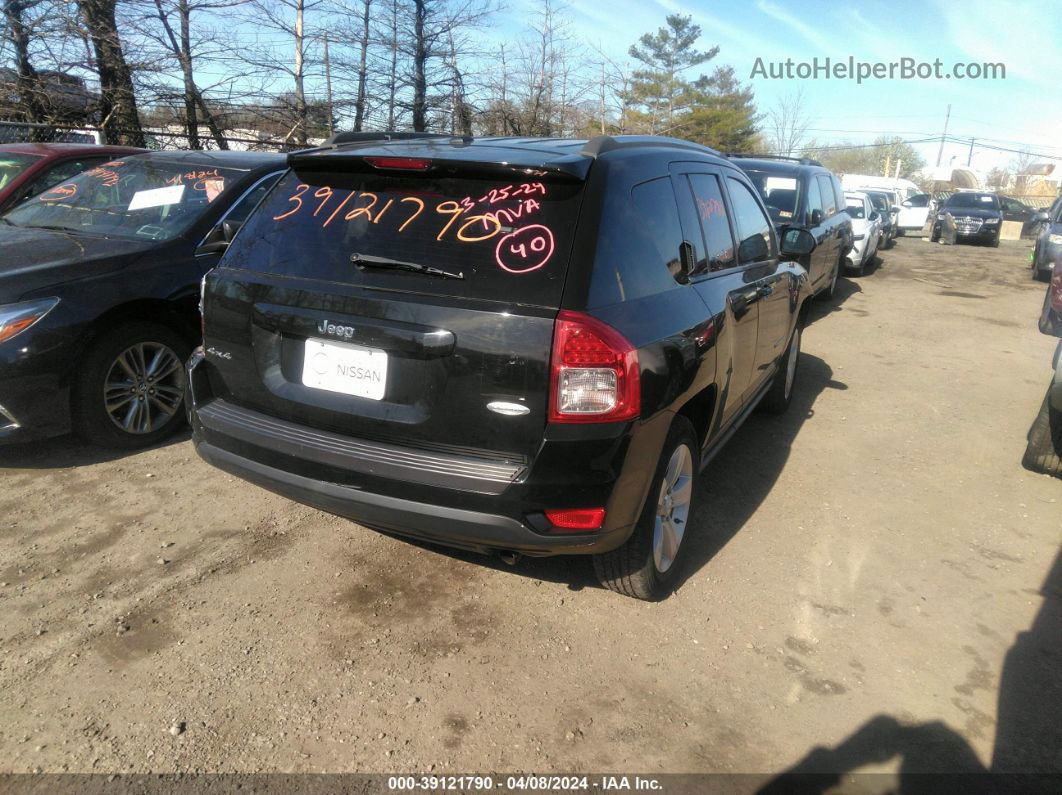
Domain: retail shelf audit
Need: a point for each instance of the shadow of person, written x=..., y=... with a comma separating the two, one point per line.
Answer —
x=743, y=473
x=1027, y=756
x=1029, y=713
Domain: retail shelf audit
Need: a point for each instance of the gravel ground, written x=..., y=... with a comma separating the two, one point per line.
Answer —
x=869, y=578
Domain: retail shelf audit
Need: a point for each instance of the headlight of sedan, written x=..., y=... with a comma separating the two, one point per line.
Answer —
x=991, y=220
x=16, y=318
x=1056, y=239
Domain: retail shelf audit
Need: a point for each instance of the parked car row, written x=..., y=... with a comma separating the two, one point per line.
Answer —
x=512, y=345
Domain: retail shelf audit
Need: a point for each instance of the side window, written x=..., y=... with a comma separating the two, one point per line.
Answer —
x=243, y=207
x=814, y=198
x=838, y=193
x=708, y=197
x=638, y=244
x=829, y=201
x=753, y=227
x=60, y=173
x=919, y=200
x=691, y=227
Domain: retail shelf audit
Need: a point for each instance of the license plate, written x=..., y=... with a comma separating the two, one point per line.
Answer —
x=345, y=368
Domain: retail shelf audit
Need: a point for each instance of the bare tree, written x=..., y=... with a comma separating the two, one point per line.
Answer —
x=120, y=121
x=17, y=33
x=434, y=40
x=787, y=124
x=287, y=18
x=179, y=46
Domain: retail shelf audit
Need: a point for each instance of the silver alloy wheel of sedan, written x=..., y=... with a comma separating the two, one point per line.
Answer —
x=144, y=387
x=673, y=508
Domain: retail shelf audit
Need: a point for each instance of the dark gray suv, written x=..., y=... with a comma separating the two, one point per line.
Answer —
x=1048, y=244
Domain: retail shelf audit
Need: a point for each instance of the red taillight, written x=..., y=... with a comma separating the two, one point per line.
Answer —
x=403, y=163
x=577, y=519
x=594, y=375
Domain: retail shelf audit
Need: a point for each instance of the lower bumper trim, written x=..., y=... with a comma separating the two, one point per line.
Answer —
x=454, y=527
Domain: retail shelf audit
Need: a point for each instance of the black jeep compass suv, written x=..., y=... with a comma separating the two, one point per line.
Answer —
x=519, y=346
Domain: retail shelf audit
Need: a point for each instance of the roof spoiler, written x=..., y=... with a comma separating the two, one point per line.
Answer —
x=350, y=137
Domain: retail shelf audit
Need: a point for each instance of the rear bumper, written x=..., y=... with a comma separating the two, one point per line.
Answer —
x=439, y=496
x=473, y=530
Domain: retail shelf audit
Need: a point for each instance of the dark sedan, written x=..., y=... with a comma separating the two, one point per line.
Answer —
x=99, y=281
x=977, y=217
x=27, y=170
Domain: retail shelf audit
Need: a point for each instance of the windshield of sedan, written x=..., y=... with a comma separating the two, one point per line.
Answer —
x=780, y=194
x=11, y=165
x=983, y=201
x=131, y=198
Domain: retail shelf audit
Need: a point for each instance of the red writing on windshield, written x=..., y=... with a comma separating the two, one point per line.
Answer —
x=108, y=176
x=519, y=251
x=59, y=192
x=525, y=249
x=709, y=207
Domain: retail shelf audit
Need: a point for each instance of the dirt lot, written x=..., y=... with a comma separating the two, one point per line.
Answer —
x=862, y=566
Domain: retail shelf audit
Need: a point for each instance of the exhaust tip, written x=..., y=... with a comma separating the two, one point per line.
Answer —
x=508, y=557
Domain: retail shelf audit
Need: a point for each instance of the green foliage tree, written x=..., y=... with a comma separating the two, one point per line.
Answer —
x=715, y=109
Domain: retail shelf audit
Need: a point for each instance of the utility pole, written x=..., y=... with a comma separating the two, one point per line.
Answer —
x=328, y=88
x=969, y=155
x=943, y=135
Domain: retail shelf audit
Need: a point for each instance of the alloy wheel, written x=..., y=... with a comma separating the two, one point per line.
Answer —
x=673, y=508
x=144, y=387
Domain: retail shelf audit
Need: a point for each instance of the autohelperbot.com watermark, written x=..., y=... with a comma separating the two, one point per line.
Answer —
x=851, y=68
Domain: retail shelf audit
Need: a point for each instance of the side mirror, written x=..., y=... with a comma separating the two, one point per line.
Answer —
x=797, y=243
x=908, y=203
x=816, y=217
x=1041, y=217
x=874, y=215
x=219, y=238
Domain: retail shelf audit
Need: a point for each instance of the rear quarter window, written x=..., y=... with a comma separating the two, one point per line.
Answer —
x=508, y=240
x=639, y=244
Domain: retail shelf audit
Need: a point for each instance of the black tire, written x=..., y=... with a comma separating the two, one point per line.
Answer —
x=994, y=243
x=1044, y=451
x=780, y=393
x=1041, y=275
x=934, y=236
x=89, y=414
x=830, y=290
x=632, y=569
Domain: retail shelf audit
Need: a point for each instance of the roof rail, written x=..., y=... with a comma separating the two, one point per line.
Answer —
x=606, y=143
x=804, y=161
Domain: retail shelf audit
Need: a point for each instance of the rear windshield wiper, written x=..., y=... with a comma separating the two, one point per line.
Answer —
x=369, y=261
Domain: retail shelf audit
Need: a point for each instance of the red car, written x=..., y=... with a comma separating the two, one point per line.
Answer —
x=29, y=169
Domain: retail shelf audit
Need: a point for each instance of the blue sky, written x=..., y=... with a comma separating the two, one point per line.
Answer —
x=1026, y=36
